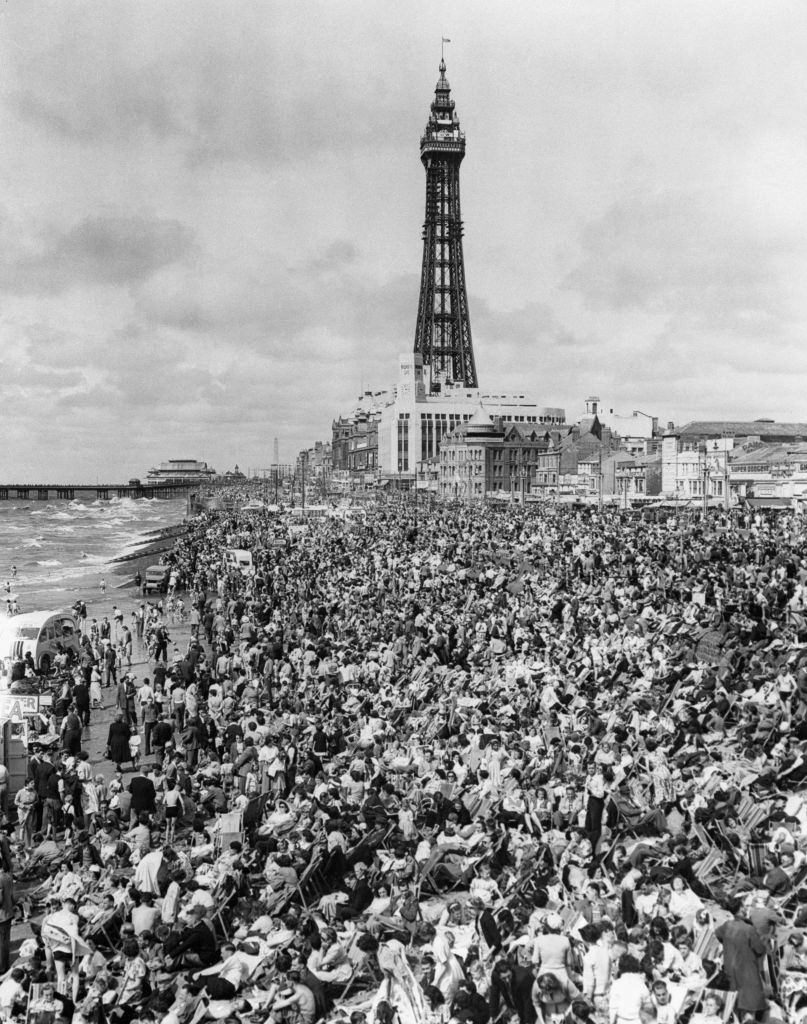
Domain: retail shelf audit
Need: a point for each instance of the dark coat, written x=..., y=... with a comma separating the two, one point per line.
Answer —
x=359, y=898
x=118, y=742
x=742, y=949
x=144, y=795
x=516, y=995
x=81, y=696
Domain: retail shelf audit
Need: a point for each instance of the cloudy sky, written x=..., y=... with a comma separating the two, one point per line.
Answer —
x=210, y=214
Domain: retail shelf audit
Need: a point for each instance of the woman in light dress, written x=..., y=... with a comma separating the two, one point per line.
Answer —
x=90, y=805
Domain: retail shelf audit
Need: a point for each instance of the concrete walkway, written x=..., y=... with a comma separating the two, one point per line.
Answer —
x=94, y=739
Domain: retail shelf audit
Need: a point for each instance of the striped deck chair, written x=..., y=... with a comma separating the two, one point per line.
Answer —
x=709, y=870
x=755, y=854
x=751, y=813
x=727, y=1000
x=707, y=946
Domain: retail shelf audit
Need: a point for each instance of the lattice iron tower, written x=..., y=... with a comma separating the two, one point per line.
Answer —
x=443, y=332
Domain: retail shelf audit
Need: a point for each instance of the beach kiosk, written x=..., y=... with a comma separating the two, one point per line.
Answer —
x=15, y=709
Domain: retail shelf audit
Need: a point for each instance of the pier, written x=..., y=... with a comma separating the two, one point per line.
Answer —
x=94, y=492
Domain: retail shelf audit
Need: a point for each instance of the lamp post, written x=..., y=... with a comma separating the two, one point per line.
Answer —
x=416, y=504
x=599, y=481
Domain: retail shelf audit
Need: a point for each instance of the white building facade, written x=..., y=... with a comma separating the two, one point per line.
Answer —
x=414, y=423
x=694, y=470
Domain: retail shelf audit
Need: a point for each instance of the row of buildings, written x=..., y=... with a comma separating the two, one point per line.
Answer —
x=483, y=451
x=436, y=430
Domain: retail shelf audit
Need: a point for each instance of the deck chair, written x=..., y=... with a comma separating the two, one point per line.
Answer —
x=198, y=1008
x=364, y=970
x=231, y=829
x=751, y=812
x=41, y=1006
x=755, y=854
x=107, y=929
x=707, y=946
x=477, y=806
x=225, y=894
x=726, y=999
x=253, y=812
x=311, y=885
x=708, y=871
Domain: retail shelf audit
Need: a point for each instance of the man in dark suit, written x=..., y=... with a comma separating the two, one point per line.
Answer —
x=512, y=984
x=196, y=945
x=81, y=698
x=40, y=771
x=162, y=733
x=144, y=796
x=359, y=894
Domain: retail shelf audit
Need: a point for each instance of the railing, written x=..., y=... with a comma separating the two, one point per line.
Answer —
x=102, y=492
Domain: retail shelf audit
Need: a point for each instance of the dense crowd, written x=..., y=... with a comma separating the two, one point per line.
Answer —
x=449, y=764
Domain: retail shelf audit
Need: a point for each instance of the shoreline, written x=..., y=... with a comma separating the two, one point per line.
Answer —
x=76, y=580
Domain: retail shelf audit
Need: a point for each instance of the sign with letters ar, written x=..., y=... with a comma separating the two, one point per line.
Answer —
x=17, y=705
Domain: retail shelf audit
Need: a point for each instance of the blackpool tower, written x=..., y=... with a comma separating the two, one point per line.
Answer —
x=443, y=332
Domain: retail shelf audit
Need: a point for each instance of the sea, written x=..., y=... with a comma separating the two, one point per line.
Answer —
x=63, y=549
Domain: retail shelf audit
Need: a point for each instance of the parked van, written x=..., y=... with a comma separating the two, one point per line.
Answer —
x=241, y=559
x=40, y=633
x=156, y=579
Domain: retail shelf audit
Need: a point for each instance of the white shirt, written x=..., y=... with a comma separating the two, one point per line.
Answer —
x=627, y=994
x=596, y=970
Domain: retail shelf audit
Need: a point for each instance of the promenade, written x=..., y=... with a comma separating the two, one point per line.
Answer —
x=94, y=738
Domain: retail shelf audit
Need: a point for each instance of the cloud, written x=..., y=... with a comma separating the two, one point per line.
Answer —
x=98, y=250
x=255, y=100
x=678, y=252
x=328, y=306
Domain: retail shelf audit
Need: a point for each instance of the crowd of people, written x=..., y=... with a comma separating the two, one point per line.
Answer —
x=464, y=764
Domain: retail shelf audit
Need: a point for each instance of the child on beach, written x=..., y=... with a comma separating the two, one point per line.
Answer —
x=125, y=649
x=134, y=747
x=68, y=817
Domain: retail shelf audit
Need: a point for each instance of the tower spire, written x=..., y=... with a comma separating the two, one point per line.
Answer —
x=443, y=330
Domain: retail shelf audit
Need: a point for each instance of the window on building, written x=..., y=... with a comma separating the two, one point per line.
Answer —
x=403, y=443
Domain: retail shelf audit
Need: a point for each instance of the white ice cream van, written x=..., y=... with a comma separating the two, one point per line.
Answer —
x=41, y=634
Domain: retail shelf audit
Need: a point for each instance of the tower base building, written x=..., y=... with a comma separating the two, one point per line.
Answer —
x=412, y=426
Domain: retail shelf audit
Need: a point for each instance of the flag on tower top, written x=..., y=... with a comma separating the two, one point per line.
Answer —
x=446, y=40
